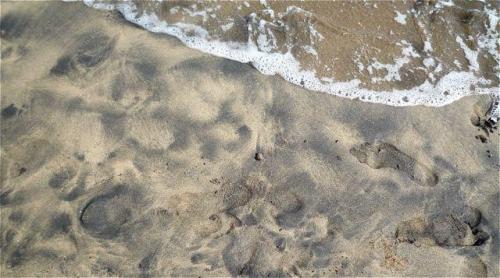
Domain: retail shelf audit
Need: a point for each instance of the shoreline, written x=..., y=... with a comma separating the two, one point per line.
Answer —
x=449, y=88
x=128, y=153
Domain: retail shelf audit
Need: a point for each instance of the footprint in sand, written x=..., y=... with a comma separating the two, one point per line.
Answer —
x=93, y=49
x=384, y=155
x=109, y=214
x=460, y=228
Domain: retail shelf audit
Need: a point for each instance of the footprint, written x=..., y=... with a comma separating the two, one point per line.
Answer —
x=108, y=215
x=384, y=155
x=92, y=49
x=450, y=229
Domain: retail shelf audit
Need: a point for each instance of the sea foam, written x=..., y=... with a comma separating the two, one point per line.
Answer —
x=262, y=55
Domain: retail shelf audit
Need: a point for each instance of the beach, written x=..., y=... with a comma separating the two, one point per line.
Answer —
x=126, y=153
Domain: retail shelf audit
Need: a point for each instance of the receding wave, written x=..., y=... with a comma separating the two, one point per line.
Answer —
x=393, y=52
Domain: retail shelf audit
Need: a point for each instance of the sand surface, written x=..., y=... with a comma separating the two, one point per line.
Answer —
x=124, y=153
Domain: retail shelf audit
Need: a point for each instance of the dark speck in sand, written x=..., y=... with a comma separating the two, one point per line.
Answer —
x=259, y=156
x=280, y=244
x=79, y=156
x=9, y=111
x=482, y=138
x=111, y=155
x=22, y=170
x=197, y=258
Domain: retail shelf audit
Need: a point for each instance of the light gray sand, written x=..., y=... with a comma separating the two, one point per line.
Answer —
x=126, y=153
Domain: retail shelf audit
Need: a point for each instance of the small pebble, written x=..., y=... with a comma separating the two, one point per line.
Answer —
x=259, y=156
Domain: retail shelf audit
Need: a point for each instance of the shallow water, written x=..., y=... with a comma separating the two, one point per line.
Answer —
x=393, y=52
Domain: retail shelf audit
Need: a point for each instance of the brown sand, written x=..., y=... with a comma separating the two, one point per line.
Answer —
x=125, y=153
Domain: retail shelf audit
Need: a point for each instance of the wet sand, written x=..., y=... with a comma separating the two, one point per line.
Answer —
x=124, y=153
x=385, y=45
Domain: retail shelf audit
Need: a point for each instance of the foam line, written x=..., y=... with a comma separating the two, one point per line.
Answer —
x=447, y=89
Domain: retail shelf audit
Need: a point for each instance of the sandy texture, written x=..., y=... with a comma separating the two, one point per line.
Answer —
x=126, y=153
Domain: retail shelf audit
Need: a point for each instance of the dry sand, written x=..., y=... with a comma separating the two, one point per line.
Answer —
x=125, y=153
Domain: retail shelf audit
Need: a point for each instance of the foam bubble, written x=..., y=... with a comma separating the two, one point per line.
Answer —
x=400, y=18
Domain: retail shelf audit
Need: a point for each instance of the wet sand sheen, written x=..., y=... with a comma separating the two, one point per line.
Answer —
x=124, y=153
